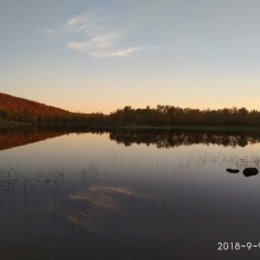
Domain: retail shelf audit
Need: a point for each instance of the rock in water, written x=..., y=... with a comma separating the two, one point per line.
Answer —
x=250, y=171
x=232, y=170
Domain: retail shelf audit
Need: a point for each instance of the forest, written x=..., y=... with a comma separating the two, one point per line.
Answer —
x=17, y=110
x=176, y=116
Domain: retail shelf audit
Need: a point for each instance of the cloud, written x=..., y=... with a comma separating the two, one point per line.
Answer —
x=86, y=23
x=100, y=40
x=77, y=20
x=51, y=33
x=89, y=23
x=117, y=53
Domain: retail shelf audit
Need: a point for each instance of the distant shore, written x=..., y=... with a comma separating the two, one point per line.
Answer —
x=202, y=128
x=13, y=124
x=221, y=128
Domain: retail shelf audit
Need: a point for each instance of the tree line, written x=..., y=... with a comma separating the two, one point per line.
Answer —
x=176, y=116
x=19, y=110
x=53, y=118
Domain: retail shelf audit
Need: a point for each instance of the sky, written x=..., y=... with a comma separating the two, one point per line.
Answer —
x=97, y=56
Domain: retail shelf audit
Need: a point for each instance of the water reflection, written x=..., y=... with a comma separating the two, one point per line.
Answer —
x=100, y=204
x=169, y=138
x=17, y=136
x=105, y=201
x=66, y=209
x=8, y=181
x=18, y=191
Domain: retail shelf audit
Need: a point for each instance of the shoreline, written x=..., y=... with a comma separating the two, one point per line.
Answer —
x=197, y=128
x=220, y=128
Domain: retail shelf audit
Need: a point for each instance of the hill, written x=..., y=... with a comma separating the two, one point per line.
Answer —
x=17, y=109
x=14, y=104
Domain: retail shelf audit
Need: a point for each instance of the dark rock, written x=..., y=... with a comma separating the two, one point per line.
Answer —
x=232, y=170
x=250, y=171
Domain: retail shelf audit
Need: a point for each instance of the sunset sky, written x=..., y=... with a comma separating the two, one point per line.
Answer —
x=97, y=56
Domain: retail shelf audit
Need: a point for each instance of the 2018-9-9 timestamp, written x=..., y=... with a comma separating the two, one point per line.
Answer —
x=236, y=246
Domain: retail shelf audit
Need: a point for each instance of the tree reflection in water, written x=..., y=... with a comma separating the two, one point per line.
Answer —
x=17, y=136
x=135, y=211
x=170, y=138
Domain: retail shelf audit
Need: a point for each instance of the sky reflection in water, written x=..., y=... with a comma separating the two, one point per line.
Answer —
x=89, y=196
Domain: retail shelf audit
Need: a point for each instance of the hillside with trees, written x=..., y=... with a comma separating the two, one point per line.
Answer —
x=19, y=110
x=23, y=110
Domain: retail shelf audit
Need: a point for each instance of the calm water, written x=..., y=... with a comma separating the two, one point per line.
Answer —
x=127, y=195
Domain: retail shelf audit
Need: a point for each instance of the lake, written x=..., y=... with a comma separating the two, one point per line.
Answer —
x=128, y=194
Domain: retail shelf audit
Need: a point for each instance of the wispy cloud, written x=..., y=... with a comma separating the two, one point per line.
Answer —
x=89, y=23
x=98, y=39
x=117, y=53
x=51, y=33
x=98, y=42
